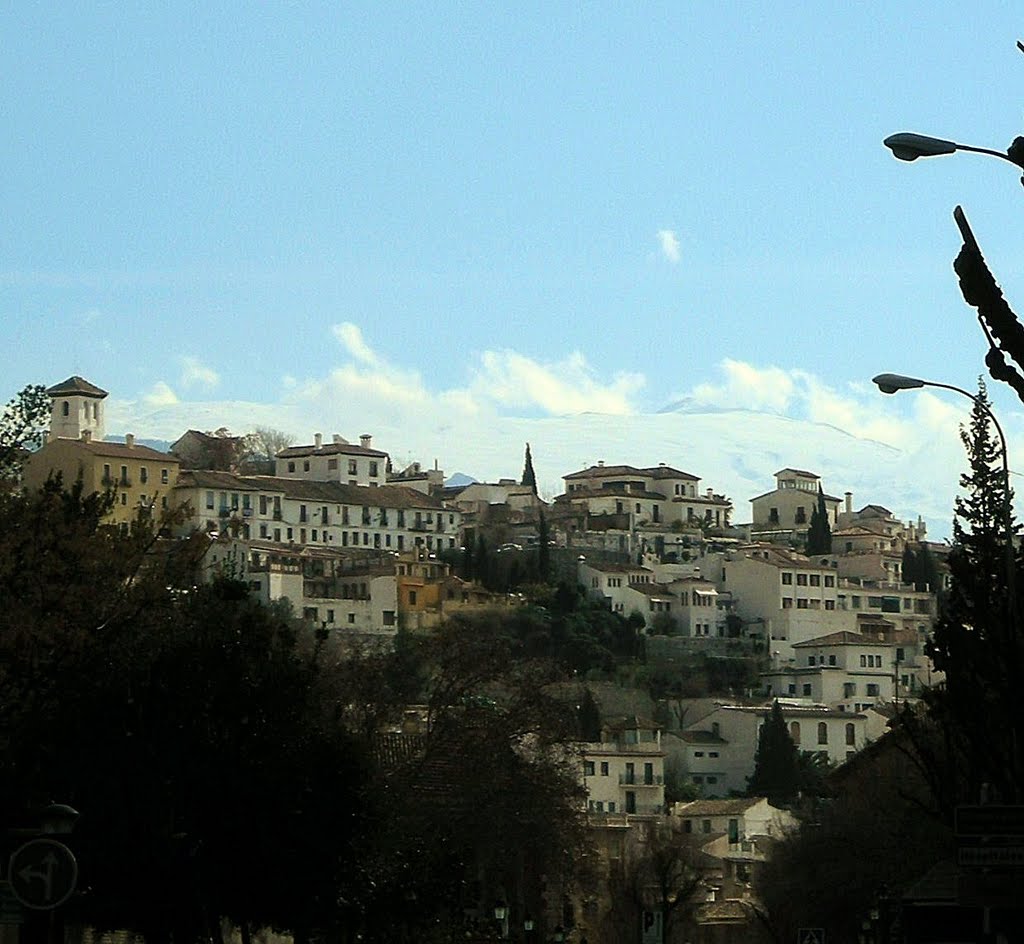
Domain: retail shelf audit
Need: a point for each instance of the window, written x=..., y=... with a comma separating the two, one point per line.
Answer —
x=831, y=660
x=124, y=475
x=810, y=660
x=604, y=768
x=351, y=466
x=872, y=688
x=787, y=603
x=863, y=661
x=830, y=580
x=830, y=604
x=65, y=408
x=291, y=466
x=389, y=617
x=373, y=469
x=794, y=731
x=787, y=578
x=143, y=475
x=332, y=465
x=802, y=604
x=305, y=465
x=588, y=768
x=801, y=515
x=705, y=825
x=330, y=616
x=850, y=734
x=815, y=580
x=712, y=753
x=412, y=598
x=698, y=753
x=773, y=515
x=801, y=580
x=734, y=831
x=209, y=500
x=807, y=688
x=822, y=733
x=351, y=617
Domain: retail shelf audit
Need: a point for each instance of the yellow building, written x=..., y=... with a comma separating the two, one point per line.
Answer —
x=141, y=477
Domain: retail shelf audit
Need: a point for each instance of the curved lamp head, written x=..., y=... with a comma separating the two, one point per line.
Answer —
x=909, y=147
x=890, y=383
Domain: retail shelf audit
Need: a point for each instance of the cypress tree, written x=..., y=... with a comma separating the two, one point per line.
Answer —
x=819, y=534
x=976, y=640
x=543, y=550
x=529, y=477
x=776, y=765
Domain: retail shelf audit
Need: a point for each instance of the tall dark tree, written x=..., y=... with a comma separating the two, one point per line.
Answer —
x=819, y=534
x=777, y=774
x=21, y=426
x=976, y=640
x=529, y=477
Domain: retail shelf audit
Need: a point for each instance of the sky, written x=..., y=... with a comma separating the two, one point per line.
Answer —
x=408, y=217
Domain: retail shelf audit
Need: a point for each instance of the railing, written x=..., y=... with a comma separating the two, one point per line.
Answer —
x=641, y=780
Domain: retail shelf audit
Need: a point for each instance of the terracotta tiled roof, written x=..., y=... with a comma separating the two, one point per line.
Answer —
x=207, y=478
x=119, y=450
x=76, y=385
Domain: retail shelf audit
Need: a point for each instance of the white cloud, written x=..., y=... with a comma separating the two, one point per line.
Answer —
x=161, y=395
x=749, y=387
x=352, y=340
x=508, y=379
x=669, y=244
x=194, y=373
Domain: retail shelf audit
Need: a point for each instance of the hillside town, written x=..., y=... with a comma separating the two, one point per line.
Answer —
x=812, y=606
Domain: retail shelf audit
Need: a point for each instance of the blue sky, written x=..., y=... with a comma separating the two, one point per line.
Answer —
x=520, y=209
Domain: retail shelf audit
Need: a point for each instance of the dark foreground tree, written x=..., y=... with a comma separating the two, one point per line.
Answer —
x=976, y=640
x=184, y=725
x=777, y=774
x=21, y=426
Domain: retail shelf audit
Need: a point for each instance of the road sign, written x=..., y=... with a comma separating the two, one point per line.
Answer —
x=989, y=821
x=810, y=936
x=42, y=873
x=990, y=857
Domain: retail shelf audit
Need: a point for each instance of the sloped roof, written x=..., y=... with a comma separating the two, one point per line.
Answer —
x=330, y=449
x=654, y=472
x=842, y=638
x=207, y=478
x=801, y=472
x=76, y=385
x=116, y=450
x=716, y=807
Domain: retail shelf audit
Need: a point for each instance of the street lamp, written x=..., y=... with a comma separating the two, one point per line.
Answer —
x=501, y=917
x=891, y=383
x=907, y=146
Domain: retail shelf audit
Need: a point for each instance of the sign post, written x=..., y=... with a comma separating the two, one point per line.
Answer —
x=42, y=874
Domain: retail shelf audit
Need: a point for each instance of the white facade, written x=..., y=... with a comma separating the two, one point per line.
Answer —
x=716, y=752
x=624, y=772
x=336, y=461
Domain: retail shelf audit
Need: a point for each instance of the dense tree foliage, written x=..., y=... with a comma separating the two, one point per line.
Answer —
x=229, y=764
x=529, y=476
x=22, y=423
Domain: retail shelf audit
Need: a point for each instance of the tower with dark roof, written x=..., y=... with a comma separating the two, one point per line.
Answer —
x=76, y=408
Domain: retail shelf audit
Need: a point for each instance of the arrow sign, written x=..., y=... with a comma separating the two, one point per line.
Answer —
x=42, y=873
x=811, y=936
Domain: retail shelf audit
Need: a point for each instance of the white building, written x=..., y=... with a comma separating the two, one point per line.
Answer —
x=716, y=753
x=336, y=461
x=624, y=772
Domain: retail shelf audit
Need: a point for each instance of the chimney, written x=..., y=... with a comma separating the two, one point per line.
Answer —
x=86, y=435
x=849, y=503
x=365, y=440
x=129, y=440
x=711, y=493
x=318, y=440
x=600, y=462
x=338, y=439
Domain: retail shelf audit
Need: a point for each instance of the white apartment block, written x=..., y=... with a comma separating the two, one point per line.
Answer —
x=316, y=513
x=624, y=772
x=351, y=594
x=691, y=601
x=645, y=496
x=846, y=671
x=716, y=753
x=336, y=461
